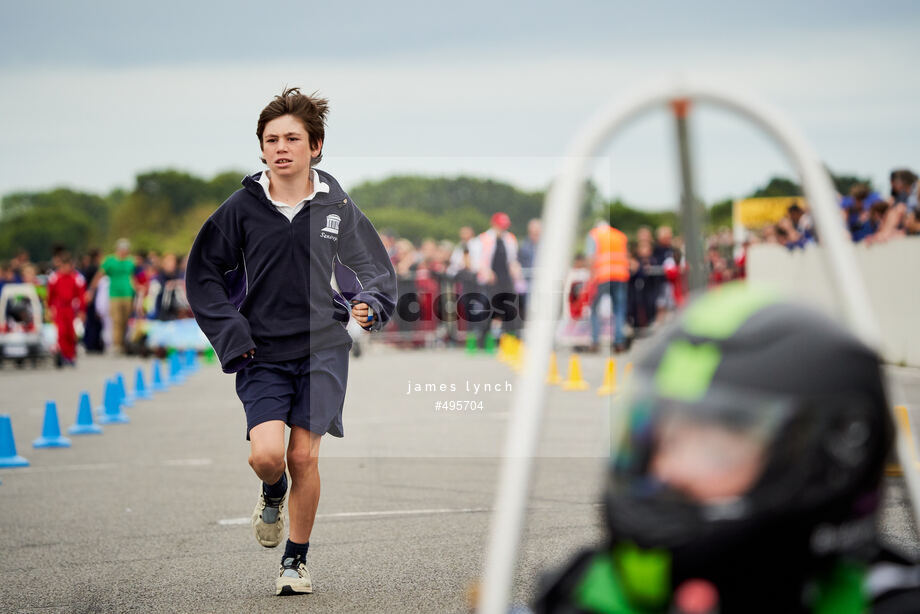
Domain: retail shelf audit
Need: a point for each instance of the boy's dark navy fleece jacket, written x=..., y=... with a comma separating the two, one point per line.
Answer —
x=258, y=280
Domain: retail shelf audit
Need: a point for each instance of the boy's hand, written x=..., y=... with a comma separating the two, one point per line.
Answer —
x=250, y=353
x=361, y=313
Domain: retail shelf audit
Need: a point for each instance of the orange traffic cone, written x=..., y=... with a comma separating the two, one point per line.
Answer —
x=575, y=381
x=610, y=378
x=552, y=377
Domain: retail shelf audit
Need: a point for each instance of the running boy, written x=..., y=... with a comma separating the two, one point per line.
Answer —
x=272, y=277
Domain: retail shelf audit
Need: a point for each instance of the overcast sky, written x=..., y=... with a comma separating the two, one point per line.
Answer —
x=94, y=92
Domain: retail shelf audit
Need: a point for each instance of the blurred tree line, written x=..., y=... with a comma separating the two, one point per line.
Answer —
x=164, y=212
x=166, y=208
x=421, y=207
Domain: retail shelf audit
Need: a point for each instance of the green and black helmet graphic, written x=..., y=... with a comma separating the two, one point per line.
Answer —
x=753, y=437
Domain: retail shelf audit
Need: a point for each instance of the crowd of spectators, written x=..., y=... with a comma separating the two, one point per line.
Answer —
x=656, y=286
x=425, y=272
x=870, y=218
x=489, y=263
x=153, y=288
x=490, y=268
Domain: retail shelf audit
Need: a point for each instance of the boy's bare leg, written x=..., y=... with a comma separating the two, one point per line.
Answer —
x=266, y=457
x=266, y=450
x=303, y=463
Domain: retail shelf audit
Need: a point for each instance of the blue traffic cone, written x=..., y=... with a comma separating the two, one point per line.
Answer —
x=112, y=396
x=191, y=362
x=175, y=370
x=140, y=387
x=106, y=391
x=51, y=430
x=184, y=369
x=8, y=456
x=113, y=413
x=126, y=399
x=84, y=424
x=157, y=382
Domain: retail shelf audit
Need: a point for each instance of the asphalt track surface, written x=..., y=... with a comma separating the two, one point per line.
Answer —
x=152, y=516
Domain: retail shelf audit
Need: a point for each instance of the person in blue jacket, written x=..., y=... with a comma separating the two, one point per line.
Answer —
x=273, y=278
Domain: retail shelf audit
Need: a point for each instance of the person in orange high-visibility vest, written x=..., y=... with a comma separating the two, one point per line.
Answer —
x=607, y=248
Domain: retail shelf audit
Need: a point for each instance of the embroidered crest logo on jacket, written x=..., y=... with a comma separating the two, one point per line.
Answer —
x=332, y=227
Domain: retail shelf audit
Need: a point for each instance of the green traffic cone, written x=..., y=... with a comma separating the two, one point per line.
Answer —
x=471, y=344
x=209, y=356
x=491, y=346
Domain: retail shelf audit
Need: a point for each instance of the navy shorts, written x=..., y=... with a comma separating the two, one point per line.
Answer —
x=308, y=392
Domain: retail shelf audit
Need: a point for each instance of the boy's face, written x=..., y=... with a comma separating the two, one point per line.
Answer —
x=286, y=146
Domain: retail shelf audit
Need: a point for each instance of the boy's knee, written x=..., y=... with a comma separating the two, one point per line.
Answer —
x=301, y=459
x=267, y=462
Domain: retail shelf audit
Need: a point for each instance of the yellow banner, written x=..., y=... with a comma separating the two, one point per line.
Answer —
x=755, y=213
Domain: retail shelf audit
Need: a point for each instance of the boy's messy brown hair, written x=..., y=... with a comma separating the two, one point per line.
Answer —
x=311, y=110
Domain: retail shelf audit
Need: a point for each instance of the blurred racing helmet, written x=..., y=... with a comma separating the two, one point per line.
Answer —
x=748, y=452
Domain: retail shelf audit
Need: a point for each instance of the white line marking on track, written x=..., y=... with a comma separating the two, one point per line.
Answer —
x=376, y=514
x=422, y=512
x=188, y=462
x=178, y=462
x=49, y=469
x=463, y=510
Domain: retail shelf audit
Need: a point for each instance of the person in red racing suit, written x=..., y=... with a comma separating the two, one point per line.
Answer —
x=66, y=289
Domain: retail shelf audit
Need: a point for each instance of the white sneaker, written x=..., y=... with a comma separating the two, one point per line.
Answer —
x=294, y=579
x=268, y=520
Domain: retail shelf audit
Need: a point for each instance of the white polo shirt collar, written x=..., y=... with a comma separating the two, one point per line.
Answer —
x=289, y=211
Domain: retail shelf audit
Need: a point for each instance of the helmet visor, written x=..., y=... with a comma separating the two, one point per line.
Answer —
x=710, y=452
